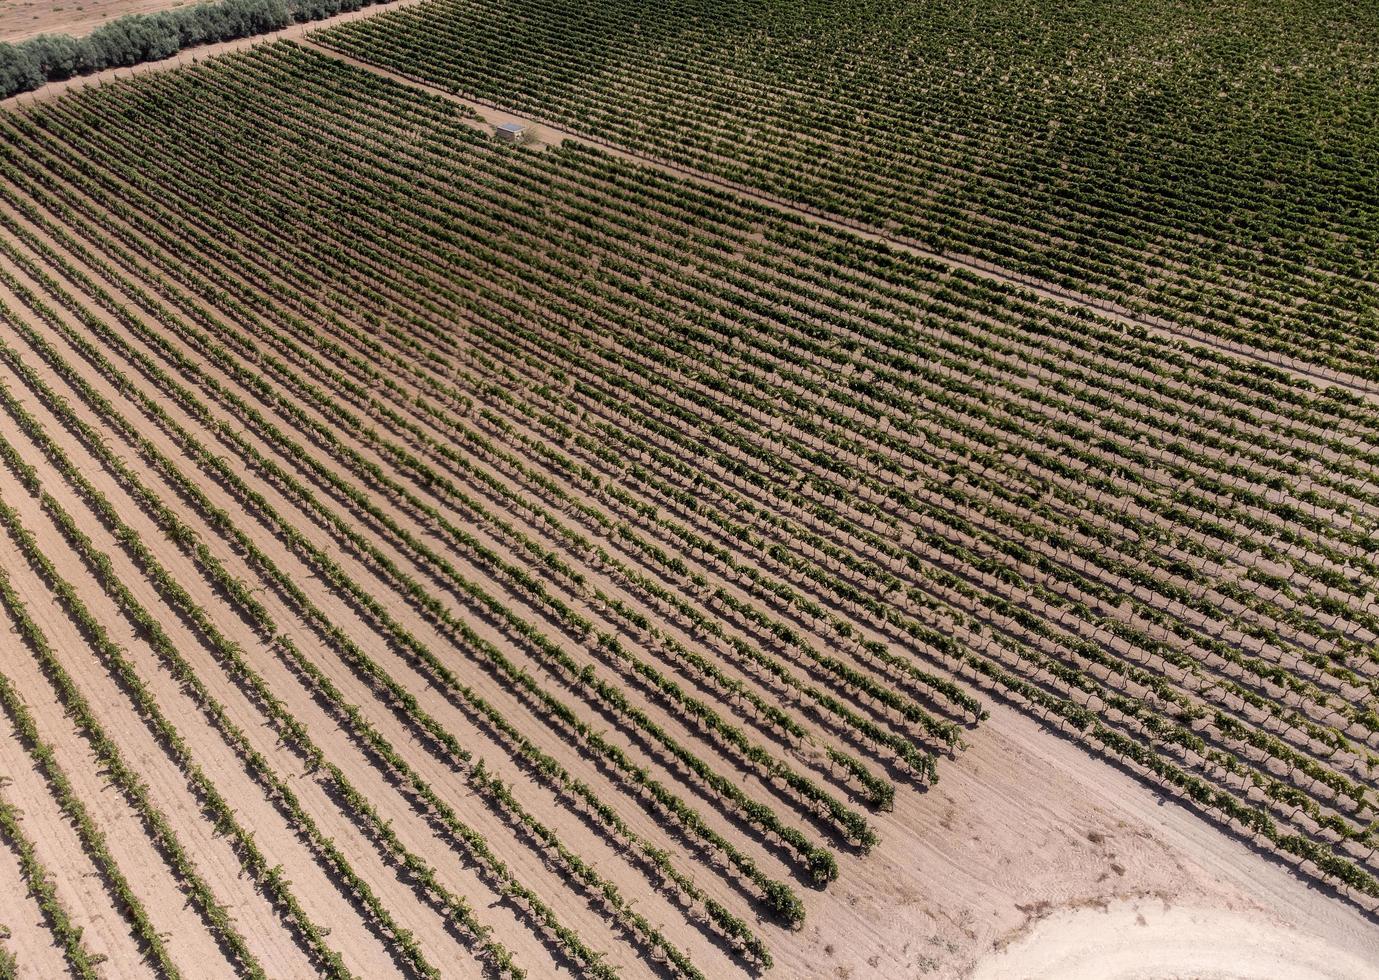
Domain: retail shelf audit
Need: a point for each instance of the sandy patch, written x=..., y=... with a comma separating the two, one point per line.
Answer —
x=20, y=19
x=1149, y=941
x=1027, y=831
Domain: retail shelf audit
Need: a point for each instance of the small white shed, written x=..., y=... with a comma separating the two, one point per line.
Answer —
x=511, y=132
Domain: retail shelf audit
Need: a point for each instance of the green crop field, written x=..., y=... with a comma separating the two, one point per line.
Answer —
x=1213, y=165
x=426, y=555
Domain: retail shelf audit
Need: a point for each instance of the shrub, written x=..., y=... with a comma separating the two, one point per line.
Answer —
x=137, y=38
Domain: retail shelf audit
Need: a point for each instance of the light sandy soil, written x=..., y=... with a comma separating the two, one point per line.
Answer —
x=80, y=884
x=20, y=19
x=1132, y=940
x=1031, y=858
x=24, y=932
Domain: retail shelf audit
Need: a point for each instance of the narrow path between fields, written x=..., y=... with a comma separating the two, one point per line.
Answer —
x=551, y=134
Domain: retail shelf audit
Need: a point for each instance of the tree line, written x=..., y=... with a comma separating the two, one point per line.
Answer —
x=137, y=38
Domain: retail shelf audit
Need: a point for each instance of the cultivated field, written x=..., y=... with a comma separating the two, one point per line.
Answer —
x=428, y=556
x=1208, y=165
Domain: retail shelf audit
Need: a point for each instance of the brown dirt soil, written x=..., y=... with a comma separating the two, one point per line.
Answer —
x=20, y=19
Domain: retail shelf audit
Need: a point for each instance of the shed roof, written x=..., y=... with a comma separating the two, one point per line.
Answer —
x=511, y=127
